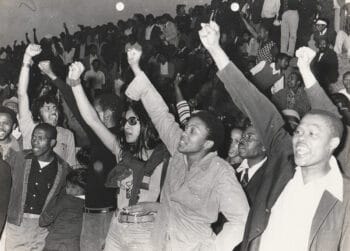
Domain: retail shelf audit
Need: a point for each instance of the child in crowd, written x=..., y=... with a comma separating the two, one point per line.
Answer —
x=64, y=219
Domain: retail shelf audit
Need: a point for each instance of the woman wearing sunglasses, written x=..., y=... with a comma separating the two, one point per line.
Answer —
x=141, y=166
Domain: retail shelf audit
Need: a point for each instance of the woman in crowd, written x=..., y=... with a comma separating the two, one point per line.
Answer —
x=139, y=171
x=198, y=185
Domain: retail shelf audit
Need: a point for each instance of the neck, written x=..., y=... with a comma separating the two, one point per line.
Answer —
x=252, y=162
x=194, y=157
x=311, y=173
x=46, y=157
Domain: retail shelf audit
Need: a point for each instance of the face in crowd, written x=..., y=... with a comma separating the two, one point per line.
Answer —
x=314, y=140
x=236, y=136
x=194, y=137
x=251, y=146
x=132, y=127
x=49, y=114
x=42, y=142
x=7, y=125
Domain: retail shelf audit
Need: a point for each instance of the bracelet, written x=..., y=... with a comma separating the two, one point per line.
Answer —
x=72, y=82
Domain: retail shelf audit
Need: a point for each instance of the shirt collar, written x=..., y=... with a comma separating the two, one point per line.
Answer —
x=323, y=32
x=332, y=181
x=345, y=93
x=274, y=71
x=203, y=163
x=251, y=170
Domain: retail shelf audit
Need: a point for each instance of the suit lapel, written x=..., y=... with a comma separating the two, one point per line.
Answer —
x=327, y=202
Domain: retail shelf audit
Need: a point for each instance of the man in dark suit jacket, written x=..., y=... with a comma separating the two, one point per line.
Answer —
x=252, y=151
x=310, y=150
x=325, y=64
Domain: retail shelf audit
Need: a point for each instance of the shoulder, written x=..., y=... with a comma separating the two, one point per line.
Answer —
x=222, y=167
x=64, y=131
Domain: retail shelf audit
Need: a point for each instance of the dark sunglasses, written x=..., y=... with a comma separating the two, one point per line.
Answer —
x=131, y=121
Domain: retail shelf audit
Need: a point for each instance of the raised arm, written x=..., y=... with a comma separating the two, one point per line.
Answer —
x=87, y=110
x=67, y=94
x=27, y=39
x=315, y=93
x=142, y=89
x=263, y=114
x=26, y=122
x=35, y=36
x=182, y=107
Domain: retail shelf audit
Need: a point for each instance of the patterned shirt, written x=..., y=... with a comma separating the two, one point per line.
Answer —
x=264, y=52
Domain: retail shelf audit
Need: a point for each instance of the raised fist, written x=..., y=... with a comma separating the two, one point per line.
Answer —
x=305, y=55
x=45, y=67
x=33, y=50
x=75, y=70
x=210, y=34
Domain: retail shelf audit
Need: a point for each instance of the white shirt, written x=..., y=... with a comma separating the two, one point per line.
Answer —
x=345, y=93
x=164, y=69
x=291, y=217
x=270, y=8
x=244, y=167
x=98, y=78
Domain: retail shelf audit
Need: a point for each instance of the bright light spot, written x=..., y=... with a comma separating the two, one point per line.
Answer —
x=235, y=7
x=120, y=6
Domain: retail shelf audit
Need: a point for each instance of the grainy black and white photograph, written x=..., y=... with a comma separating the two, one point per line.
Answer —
x=174, y=125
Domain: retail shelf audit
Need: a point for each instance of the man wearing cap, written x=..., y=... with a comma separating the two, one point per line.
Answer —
x=323, y=31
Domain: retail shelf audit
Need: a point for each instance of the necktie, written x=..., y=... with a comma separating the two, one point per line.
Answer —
x=245, y=179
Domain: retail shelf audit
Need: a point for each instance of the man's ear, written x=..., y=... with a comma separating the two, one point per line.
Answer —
x=53, y=143
x=334, y=143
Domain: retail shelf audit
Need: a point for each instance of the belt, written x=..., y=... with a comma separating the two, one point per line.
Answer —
x=98, y=210
x=31, y=216
x=130, y=218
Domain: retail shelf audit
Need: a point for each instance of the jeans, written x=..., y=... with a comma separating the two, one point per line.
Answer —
x=129, y=236
x=94, y=231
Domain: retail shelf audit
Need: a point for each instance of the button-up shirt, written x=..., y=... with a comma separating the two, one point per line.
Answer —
x=292, y=215
x=191, y=197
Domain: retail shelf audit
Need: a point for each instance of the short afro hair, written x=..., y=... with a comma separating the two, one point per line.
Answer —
x=216, y=129
x=333, y=122
x=49, y=129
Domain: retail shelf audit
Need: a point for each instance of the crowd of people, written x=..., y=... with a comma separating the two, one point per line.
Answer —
x=214, y=130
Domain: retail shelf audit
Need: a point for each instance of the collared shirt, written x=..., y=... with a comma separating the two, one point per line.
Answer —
x=192, y=197
x=244, y=167
x=292, y=215
x=345, y=93
x=40, y=182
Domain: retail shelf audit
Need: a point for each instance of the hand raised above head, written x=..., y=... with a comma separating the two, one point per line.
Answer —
x=75, y=70
x=305, y=56
x=210, y=35
x=33, y=50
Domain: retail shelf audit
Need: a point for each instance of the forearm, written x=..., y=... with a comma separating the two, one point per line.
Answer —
x=91, y=118
x=263, y=114
x=23, y=82
x=169, y=131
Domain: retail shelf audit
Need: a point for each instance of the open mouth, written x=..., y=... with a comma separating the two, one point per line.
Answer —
x=301, y=150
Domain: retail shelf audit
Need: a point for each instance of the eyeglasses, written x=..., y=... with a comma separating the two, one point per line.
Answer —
x=131, y=121
x=248, y=138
